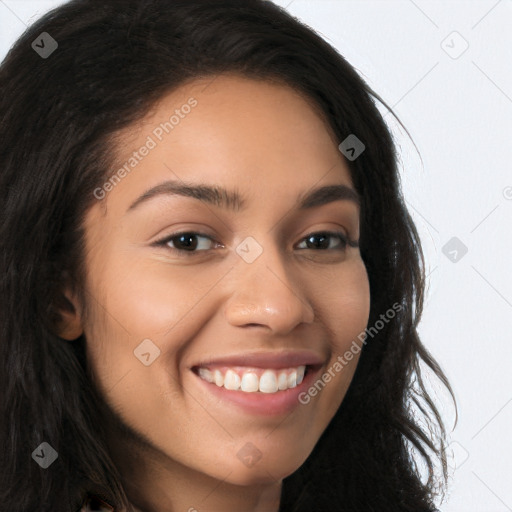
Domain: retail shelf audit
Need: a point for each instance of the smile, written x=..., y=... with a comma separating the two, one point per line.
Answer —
x=252, y=380
x=269, y=396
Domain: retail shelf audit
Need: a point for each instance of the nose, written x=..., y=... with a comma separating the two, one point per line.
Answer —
x=267, y=295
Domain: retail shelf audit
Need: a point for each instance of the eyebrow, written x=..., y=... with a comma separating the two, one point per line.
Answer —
x=233, y=200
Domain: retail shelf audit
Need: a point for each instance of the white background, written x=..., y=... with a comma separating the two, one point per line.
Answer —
x=457, y=106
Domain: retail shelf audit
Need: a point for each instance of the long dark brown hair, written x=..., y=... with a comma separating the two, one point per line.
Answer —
x=58, y=114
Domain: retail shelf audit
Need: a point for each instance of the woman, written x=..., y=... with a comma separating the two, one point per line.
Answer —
x=210, y=283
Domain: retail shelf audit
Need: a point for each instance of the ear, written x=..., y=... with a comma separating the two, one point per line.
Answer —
x=68, y=318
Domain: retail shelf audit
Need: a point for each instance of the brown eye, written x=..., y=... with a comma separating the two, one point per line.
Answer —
x=186, y=242
x=322, y=240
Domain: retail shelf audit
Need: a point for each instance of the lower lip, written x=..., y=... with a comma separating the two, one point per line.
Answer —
x=265, y=404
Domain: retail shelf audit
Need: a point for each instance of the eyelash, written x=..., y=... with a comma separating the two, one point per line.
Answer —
x=184, y=253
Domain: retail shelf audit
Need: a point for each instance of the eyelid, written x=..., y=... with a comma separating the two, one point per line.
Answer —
x=163, y=242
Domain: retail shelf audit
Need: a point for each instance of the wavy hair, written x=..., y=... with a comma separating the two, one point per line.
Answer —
x=58, y=118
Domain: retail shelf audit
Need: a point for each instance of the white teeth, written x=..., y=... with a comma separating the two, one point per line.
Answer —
x=232, y=380
x=282, y=381
x=250, y=382
x=292, y=379
x=206, y=374
x=300, y=374
x=219, y=378
x=271, y=381
x=268, y=382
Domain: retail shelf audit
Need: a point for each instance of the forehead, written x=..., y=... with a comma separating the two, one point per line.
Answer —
x=263, y=136
x=235, y=113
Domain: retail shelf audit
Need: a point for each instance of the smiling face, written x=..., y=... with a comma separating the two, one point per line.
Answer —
x=253, y=276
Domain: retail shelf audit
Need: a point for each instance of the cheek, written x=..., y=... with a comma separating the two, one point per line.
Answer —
x=345, y=309
x=345, y=304
x=154, y=300
x=140, y=301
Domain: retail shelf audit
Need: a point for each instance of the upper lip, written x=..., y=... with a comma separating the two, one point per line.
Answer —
x=266, y=359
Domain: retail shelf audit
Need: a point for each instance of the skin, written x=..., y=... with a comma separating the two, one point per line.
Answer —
x=175, y=443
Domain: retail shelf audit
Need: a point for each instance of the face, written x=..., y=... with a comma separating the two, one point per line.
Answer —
x=183, y=289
